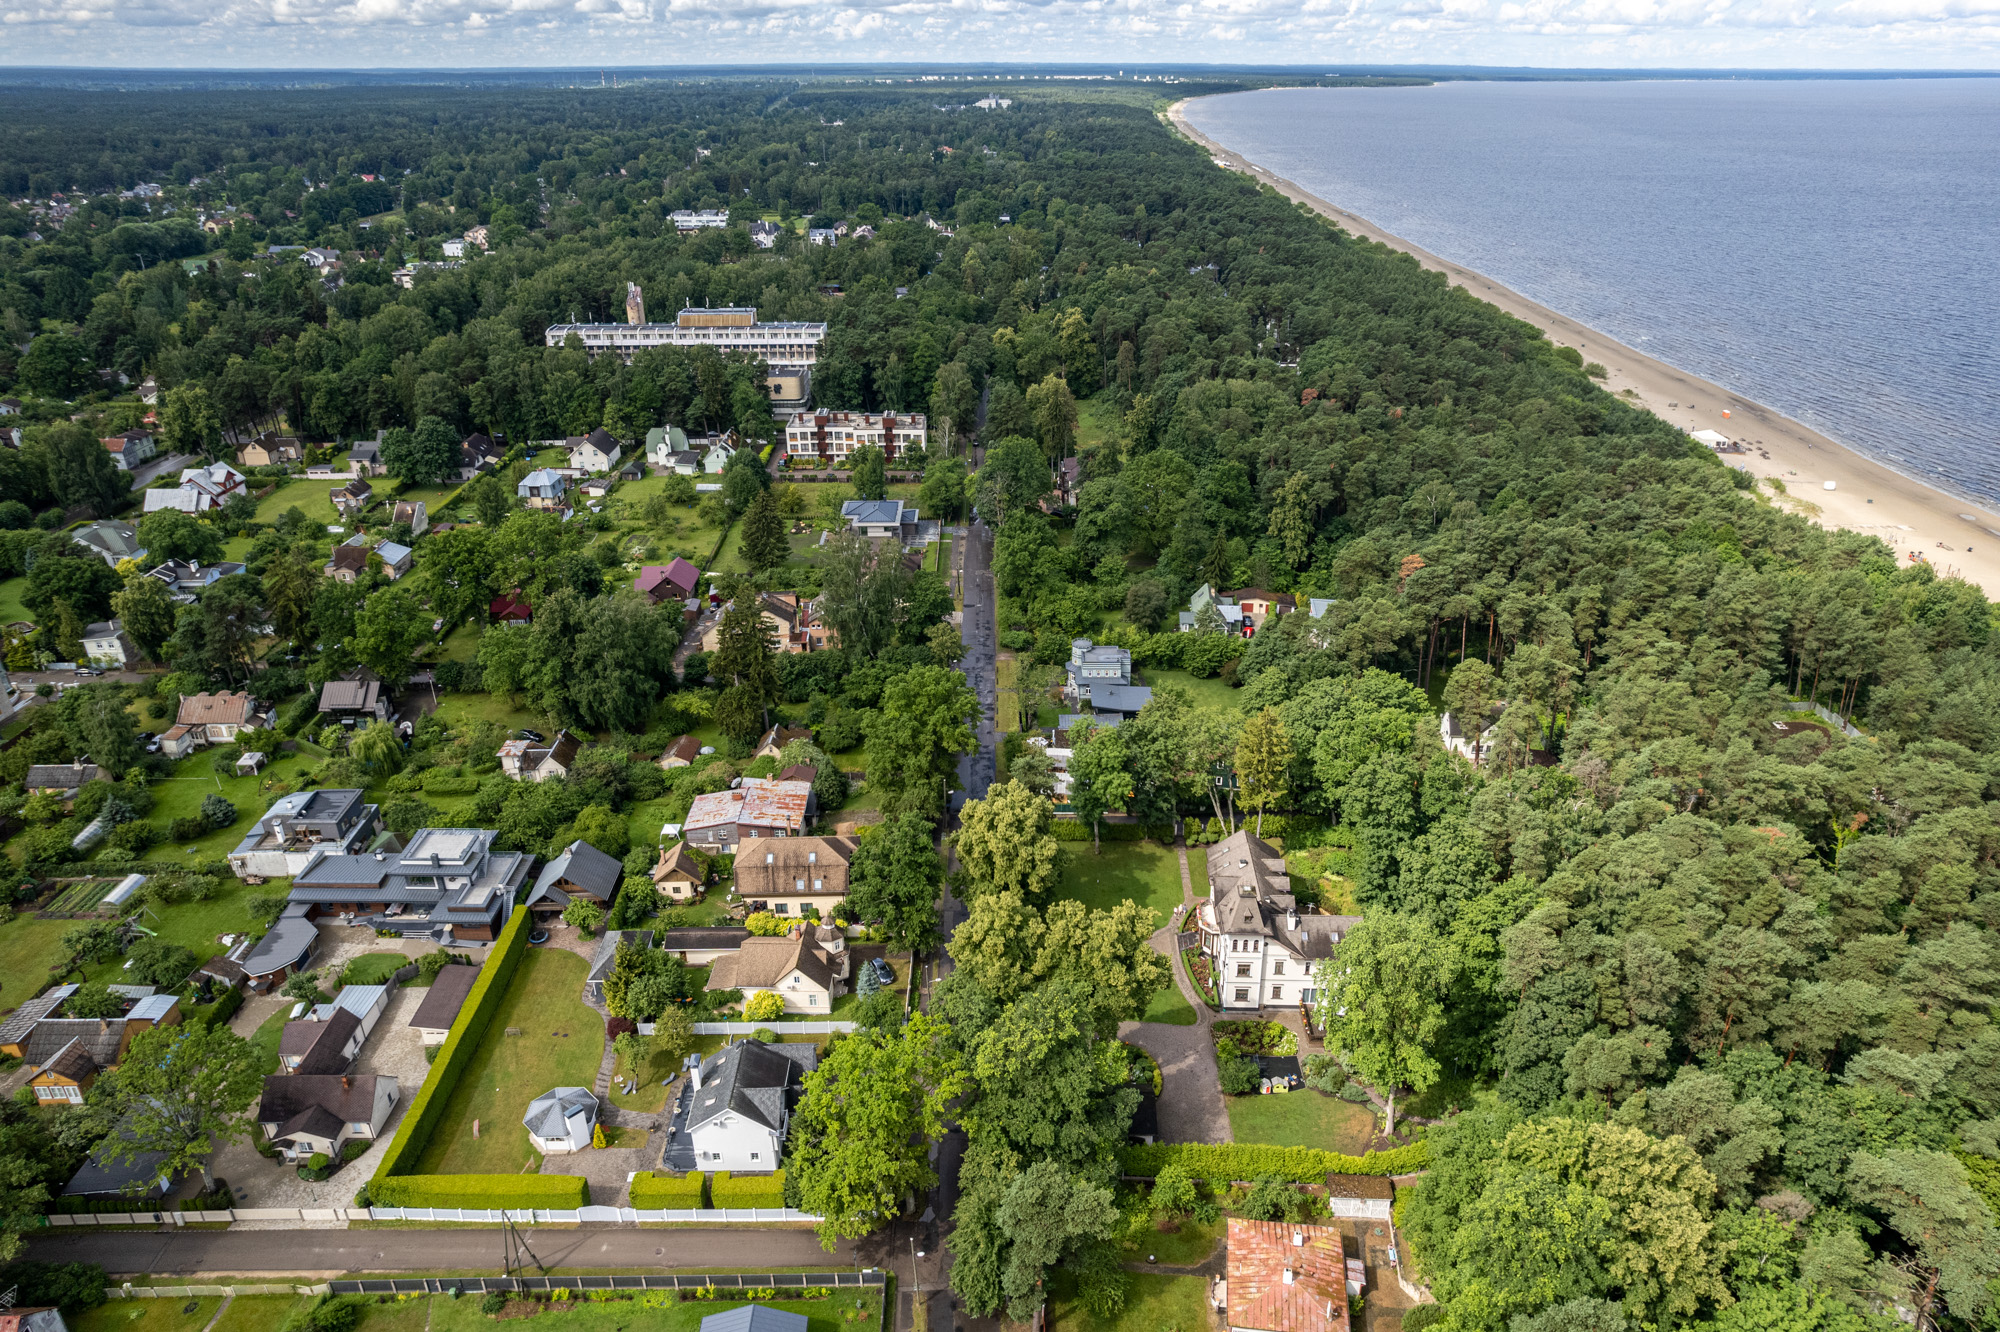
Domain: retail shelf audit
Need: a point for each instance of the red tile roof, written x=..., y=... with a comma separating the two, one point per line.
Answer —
x=1262, y=1253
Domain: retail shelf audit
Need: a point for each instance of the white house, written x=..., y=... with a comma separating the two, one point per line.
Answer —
x=560, y=1121
x=130, y=449
x=544, y=488
x=1460, y=740
x=664, y=444
x=532, y=761
x=1262, y=947
x=718, y=455
x=107, y=647
x=740, y=1111
x=303, y=1114
x=794, y=967
x=201, y=489
x=693, y=219
x=303, y=825
x=453, y=249
x=413, y=512
x=597, y=454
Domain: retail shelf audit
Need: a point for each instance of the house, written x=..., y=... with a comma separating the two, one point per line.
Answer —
x=441, y=1003
x=62, y=779
x=1112, y=703
x=348, y=563
x=1259, y=605
x=185, y=579
x=453, y=249
x=698, y=219
x=364, y=1003
x=1069, y=482
x=20, y=1024
x=581, y=871
x=718, y=453
x=830, y=437
x=318, y=1113
x=396, y=559
x=699, y=946
x=286, y=948
x=449, y=885
x=891, y=519
x=597, y=453
x=794, y=967
x=1092, y=664
x=1205, y=597
x=679, y=875
x=129, y=450
x=790, y=876
x=681, y=752
x=413, y=514
x=271, y=449
x=353, y=702
x=544, y=488
x=350, y=499
x=110, y=541
x=743, y=1097
x=149, y=390
x=110, y=1172
x=1264, y=948
x=10, y=406
x=364, y=458
x=533, y=761
x=201, y=489
x=327, y=1045
x=209, y=719
x=773, y=741
x=476, y=454
x=754, y=1318
x=105, y=644
x=604, y=958
x=1286, y=1277
x=68, y=1053
x=301, y=825
x=663, y=445
x=40, y=1318
x=477, y=236
x=561, y=1120
x=510, y=608
x=1459, y=738
x=827, y=236
x=596, y=487
x=320, y=259
x=764, y=235
x=755, y=807
x=669, y=582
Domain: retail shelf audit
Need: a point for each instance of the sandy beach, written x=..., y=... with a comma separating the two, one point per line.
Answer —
x=1954, y=535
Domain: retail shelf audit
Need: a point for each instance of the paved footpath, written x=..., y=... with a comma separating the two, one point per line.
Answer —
x=1191, y=1104
x=128, y=1251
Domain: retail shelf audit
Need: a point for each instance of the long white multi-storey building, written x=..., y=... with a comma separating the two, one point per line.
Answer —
x=826, y=436
x=789, y=348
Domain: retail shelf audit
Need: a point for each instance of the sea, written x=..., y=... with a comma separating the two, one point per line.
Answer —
x=1827, y=247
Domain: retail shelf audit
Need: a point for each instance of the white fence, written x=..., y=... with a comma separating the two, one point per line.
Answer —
x=1827, y=715
x=521, y=1216
x=475, y=1285
x=782, y=1028
x=128, y=1291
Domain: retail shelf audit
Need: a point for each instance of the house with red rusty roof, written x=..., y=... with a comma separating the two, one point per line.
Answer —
x=1285, y=1278
x=754, y=807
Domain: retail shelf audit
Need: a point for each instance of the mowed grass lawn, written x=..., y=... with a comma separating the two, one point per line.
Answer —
x=1143, y=872
x=1210, y=693
x=1303, y=1118
x=1169, y=1006
x=162, y=1315
x=309, y=497
x=12, y=608
x=560, y=1045
x=1154, y=1304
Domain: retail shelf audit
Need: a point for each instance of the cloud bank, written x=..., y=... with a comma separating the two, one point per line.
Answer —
x=1876, y=34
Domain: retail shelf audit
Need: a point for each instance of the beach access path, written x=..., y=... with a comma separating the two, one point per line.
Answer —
x=1953, y=534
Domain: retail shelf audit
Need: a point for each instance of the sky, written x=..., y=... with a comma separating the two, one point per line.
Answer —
x=348, y=34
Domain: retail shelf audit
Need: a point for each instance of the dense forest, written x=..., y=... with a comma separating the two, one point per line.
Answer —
x=1711, y=998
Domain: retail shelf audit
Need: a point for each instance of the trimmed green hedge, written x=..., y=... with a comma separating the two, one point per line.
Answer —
x=438, y=782
x=651, y=1192
x=550, y=1192
x=747, y=1190
x=421, y=1120
x=1247, y=1161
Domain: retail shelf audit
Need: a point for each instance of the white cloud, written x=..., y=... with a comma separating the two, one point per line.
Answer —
x=418, y=33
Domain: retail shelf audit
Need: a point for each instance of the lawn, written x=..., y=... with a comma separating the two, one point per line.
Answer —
x=501, y=709
x=1007, y=706
x=560, y=1045
x=28, y=948
x=644, y=819
x=1303, y=1118
x=373, y=968
x=265, y=1042
x=310, y=497
x=1209, y=693
x=461, y=644
x=260, y=1313
x=833, y=1314
x=12, y=608
x=1179, y=1248
x=1168, y=1006
x=1154, y=1304
x=1143, y=872
x=164, y=1315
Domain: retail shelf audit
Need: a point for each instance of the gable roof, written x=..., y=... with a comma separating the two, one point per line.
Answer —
x=762, y=962
x=772, y=866
x=23, y=1019
x=754, y=1318
x=606, y=956
x=224, y=709
x=60, y=776
x=445, y=997
x=345, y=1099
x=349, y=695
x=73, y=1062
x=686, y=748
x=1262, y=1254
x=583, y=866
x=678, y=861
x=320, y=1046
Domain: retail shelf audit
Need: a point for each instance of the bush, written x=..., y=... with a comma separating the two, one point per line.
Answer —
x=1279, y=1200
x=1069, y=830
x=764, y=1006
x=189, y=828
x=549, y=1192
x=1239, y=1075
x=492, y=1302
x=71, y=1287
x=1423, y=1316
x=653, y=1192
x=726, y=1190
x=1223, y=1162
x=440, y=782
x=217, y=812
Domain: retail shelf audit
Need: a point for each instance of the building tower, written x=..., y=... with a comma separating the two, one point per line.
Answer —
x=635, y=305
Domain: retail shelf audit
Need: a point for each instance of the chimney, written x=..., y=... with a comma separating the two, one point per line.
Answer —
x=1291, y=1276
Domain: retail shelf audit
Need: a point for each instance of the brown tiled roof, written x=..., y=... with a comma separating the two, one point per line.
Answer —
x=677, y=862
x=799, y=772
x=772, y=866
x=73, y=1062
x=348, y=1098
x=687, y=749
x=217, y=709
x=781, y=736
x=762, y=962
x=1261, y=1253
x=351, y=558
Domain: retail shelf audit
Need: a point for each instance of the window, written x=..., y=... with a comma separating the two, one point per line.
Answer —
x=1277, y=991
x=781, y=908
x=753, y=1156
x=1278, y=967
x=798, y=885
x=769, y=858
x=1242, y=969
x=818, y=884
x=1242, y=995
x=812, y=1000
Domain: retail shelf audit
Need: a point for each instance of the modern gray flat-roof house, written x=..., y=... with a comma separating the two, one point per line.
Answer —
x=302, y=825
x=448, y=885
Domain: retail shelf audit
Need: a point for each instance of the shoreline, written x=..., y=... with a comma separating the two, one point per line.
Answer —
x=1912, y=516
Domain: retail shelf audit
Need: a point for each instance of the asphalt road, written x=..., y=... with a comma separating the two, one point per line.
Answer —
x=469, y=1252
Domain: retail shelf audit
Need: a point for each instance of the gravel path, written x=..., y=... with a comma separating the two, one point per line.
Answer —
x=1191, y=1104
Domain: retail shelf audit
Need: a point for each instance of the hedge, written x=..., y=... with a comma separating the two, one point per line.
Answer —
x=747, y=1190
x=1248, y=1161
x=216, y=1014
x=437, y=782
x=653, y=1192
x=558, y=1193
x=421, y=1120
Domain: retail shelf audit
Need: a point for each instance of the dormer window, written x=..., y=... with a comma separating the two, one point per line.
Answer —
x=812, y=857
x=770, y=858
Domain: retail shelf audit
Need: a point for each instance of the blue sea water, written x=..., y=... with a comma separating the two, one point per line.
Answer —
x=1830, y=248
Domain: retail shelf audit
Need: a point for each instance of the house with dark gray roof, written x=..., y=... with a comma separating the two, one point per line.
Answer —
x=351, y=702
x=306, y=1113
x=738, y=1107
x=301, y=825
x=110, y=541
x=561, y=1120
x=1263, y=946
x=448, y=885
x=307, y=1047
x=285, y=949
x=753, y=1318
x=63, y=779
x=110, y=1172
x=581, y=871
x=441, y=1003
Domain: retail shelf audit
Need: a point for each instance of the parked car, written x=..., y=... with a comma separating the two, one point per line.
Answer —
x=535, y=736
x=883, y=971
